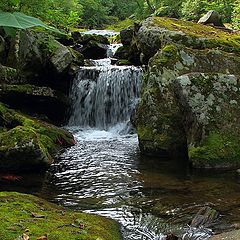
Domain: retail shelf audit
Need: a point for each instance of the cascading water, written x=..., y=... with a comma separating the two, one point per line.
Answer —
x=104, y=96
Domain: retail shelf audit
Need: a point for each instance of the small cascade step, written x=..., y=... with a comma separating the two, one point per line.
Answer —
x=104, y=95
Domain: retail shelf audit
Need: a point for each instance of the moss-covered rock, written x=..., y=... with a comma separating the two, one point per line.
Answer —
x=155, y=32
x=27, y=214
x=166, y=123
x=122, y=52
x=36, y=100
x=210, y=106
x=41, y=59
x=26, y=143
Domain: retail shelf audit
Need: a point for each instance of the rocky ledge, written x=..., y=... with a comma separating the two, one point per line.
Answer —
x=190, y=96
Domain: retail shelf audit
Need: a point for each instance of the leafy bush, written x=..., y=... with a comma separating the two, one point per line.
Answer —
x=236, y=15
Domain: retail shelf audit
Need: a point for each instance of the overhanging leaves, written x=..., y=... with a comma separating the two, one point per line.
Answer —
x=22, y=21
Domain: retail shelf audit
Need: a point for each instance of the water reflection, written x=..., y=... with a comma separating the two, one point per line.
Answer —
x=105, y=174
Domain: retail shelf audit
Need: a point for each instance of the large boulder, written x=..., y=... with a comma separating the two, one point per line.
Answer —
x=41, y=59
x=38, y=101
x=126, y=35
x=155, y=32
x=26, y=143
x=60, y=59
x=184, y=95
x=190, y=94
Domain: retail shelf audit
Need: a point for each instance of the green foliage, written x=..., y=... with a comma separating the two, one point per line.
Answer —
x=59, y=13
x=69, y=14
x=21, y=21
x=193, y=9
x=236, y=15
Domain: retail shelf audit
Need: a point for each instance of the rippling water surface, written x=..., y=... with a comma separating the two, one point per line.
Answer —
x=105, y=174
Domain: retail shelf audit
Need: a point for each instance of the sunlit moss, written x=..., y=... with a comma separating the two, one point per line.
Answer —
x=57, y=223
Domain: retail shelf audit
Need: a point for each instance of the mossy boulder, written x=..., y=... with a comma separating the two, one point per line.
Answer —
x=166, y=121
x=126, y=35
x=155, y=32
x=35, y=217
x=41, y=59
x=122, y=53
x=92, y=46
x=35, y=100
x=209, y=104
x=26, y=143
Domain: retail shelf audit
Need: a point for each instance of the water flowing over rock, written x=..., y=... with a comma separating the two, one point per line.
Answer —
x=104, y=95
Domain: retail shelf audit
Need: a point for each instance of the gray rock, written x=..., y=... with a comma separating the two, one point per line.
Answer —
x=183, y=106
x=126, y=35
x=211, y=17
x=60, y=59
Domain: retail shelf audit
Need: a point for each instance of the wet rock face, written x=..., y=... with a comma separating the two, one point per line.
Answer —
x=90, y=45
x=37, y=101
x=190, y=102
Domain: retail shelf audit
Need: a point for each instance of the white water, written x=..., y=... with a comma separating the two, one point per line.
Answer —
x=104, y=96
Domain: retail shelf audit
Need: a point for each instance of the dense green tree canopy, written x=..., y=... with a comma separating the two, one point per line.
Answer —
x=98, y=13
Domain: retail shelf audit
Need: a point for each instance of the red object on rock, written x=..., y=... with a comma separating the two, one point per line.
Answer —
x=12, y=178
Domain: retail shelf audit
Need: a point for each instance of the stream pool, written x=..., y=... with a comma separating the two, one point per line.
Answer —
x=104, y=173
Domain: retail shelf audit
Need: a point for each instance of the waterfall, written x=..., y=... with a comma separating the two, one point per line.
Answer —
x=104, y=96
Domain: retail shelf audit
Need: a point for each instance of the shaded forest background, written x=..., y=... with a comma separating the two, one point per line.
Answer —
x=70, y=14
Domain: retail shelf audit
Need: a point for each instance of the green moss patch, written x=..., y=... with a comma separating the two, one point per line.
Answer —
x=216, y=151
x=27, y=142
x=202, y=36
x=26, y=214
x=121, y=25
